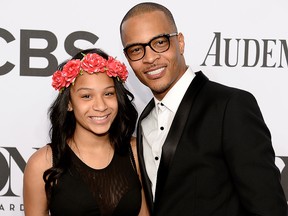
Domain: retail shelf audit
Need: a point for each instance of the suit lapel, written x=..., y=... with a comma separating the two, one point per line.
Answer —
x=175, y=132
x=145, y=179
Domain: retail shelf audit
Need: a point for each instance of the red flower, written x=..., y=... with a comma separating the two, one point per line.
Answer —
x=93, y=63
x=58, y=80
x=71, y=70
x=116, y=68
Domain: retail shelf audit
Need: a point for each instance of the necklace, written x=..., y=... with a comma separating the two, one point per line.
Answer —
x=90, y=159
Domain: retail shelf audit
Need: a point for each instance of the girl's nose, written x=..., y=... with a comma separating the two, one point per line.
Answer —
x=99, y=104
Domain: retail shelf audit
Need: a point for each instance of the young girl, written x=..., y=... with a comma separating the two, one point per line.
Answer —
x=89, y=167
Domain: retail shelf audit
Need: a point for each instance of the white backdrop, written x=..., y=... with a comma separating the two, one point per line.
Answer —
x=238, y=43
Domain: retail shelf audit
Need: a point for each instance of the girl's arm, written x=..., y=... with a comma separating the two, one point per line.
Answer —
x=35, y=202
x=144, y=209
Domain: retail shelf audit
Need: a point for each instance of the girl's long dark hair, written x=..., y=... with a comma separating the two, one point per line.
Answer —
x=63, y=125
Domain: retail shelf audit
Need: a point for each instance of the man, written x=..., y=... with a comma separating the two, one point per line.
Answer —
x=204, y=148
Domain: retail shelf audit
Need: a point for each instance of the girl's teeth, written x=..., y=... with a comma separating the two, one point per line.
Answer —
x=99, y=118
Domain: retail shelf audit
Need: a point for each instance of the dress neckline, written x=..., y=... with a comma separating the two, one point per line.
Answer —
x=78, y=160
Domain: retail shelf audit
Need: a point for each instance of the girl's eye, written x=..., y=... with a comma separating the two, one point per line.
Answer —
x=86, y=96
x=109, y=93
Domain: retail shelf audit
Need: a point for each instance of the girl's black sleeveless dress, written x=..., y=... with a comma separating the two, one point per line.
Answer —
x=112, y=191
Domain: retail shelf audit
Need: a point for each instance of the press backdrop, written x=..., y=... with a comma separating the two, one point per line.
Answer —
x=238, y=43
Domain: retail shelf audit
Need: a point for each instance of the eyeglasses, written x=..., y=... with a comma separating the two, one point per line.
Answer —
x=158, y=44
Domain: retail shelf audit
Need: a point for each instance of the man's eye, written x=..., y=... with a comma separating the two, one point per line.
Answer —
x=160, y=42
x=135, y=50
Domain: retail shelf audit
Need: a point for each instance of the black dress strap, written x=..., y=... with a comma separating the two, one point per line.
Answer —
x=132, y=158
x=53, y=155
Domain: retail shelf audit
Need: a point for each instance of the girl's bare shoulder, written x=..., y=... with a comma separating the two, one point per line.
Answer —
x=41, y=159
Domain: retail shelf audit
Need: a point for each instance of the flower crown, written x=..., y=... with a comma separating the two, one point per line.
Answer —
x=91, y=63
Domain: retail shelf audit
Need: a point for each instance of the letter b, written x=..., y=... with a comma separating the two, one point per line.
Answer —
x=27, y=52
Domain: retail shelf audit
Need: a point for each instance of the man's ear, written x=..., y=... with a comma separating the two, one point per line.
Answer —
x=181, y=42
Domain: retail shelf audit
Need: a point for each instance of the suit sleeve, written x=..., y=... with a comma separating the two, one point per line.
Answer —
x=251, y=158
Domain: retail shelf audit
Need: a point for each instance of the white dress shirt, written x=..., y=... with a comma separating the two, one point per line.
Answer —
x=156, y=125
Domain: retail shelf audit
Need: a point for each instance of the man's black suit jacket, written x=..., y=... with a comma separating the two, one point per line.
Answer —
x=217, y=159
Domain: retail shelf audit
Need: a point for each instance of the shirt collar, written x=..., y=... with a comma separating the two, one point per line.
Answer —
x=174, y=96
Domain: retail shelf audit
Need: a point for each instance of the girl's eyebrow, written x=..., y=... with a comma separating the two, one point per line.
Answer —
x=90, y=89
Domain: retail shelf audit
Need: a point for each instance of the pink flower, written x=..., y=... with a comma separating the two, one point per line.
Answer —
x=58, y=81
x=116, y=68
x=71, y=70
x=93, y=63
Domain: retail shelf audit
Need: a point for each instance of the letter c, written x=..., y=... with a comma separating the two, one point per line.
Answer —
x=8, y=37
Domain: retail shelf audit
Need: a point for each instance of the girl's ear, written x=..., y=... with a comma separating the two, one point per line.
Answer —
x=70, y=108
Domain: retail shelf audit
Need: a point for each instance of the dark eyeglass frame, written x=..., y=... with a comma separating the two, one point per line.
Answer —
x=149, y=44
